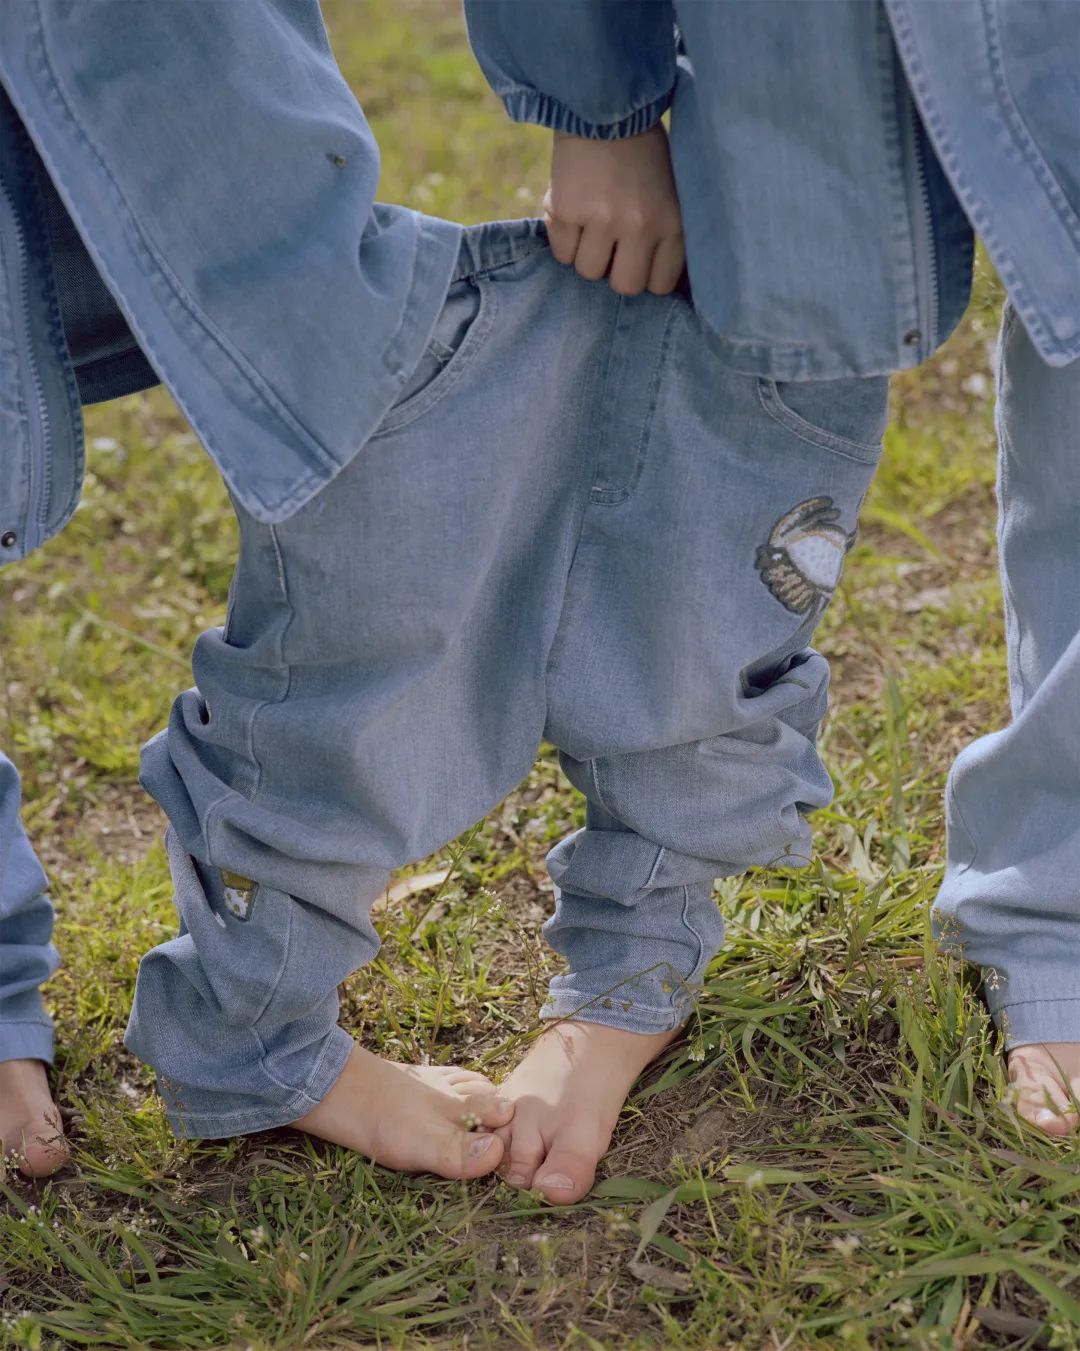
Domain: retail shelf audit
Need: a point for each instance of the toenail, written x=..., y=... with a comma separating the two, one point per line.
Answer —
x=480, y=1145
x=1045, y=1115
x=556, y=1181
x=504, y=1104
x=517, y=1179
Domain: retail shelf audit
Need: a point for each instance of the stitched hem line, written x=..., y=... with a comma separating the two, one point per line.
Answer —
x=247, y=1120
x=1037, y=1020
x=570, y=1005
x=26, y=1040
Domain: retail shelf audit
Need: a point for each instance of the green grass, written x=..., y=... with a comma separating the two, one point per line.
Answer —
x=823, y=1163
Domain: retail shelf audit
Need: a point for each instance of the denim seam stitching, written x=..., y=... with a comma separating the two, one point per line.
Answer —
x=1019, y=129
x=1008, y=592
x=616, y=496
x=1020, y=1003
x=775, y=408
x=699, y=961
x=536, y=246
x=974, y=209
x=452, y=370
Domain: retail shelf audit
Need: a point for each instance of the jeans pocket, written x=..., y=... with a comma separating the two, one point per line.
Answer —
x=846, y=416
x=457, y=332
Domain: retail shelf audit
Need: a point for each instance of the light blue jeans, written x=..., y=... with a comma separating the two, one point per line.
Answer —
x=576, y=524
x=1010, y=900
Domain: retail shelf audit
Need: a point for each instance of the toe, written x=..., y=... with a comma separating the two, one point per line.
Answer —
x=526, y=1153
x=468, y=1081
x=473, y=1110
x=569, y=1169
x=43, y=1151
x=468, y=1154
x=1047, y=1113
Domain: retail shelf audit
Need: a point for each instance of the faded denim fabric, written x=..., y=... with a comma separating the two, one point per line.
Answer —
x=27, y=956
x=829, y=155
x=625, y=547
x=1010, y=900
x=235, y=231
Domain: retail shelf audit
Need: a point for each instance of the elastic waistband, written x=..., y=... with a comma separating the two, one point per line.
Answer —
x=496, y=243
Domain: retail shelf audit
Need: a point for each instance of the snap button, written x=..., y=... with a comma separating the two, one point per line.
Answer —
x=912, y=337
x=8, y=539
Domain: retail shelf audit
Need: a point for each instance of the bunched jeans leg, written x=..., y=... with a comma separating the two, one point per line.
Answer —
x=683, y=691
x=27, y=956
x=1010, y=899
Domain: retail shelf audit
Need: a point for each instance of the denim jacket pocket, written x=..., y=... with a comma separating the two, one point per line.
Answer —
x=845, y=416
x=463, y=323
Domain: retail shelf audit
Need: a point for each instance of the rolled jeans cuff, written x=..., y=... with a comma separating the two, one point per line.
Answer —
x=611, y=1011
x=216, y=1125
x=27, y=1041
x=1038, y=1020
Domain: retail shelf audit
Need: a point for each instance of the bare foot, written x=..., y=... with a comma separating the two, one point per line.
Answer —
x=1045, y=1078
x=568, y=1092
x=414, y=1118
x=30, y=1126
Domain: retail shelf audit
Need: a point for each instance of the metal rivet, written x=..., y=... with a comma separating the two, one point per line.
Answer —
x=912, y=337
x=338, y=160
x=8, y=539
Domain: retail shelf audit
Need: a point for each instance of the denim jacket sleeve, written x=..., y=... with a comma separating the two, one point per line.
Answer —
x=602, y=69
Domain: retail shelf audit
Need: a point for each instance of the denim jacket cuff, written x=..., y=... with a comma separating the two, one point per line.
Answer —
x=527, y=105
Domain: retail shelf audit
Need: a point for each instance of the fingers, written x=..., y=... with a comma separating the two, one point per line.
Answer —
x=631, y=263
x=563, y=236
x=632, y=266
x=668, y=263
x=593, y=256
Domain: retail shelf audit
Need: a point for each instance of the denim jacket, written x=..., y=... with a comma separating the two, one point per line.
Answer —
x=830, y=155
x=187, y=193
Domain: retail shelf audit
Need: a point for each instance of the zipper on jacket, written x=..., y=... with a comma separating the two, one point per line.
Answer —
x=923, y=239
x=37, y=409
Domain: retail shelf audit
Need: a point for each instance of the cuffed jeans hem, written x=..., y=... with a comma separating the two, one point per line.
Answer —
x=612, y=1012
x=197, y=1125
x=1038, y=1020
x=27, y=1041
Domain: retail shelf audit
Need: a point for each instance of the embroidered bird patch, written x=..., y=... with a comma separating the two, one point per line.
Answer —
x=801, y=563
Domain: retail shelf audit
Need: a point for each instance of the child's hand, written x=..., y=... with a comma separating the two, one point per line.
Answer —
x=612, y=209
